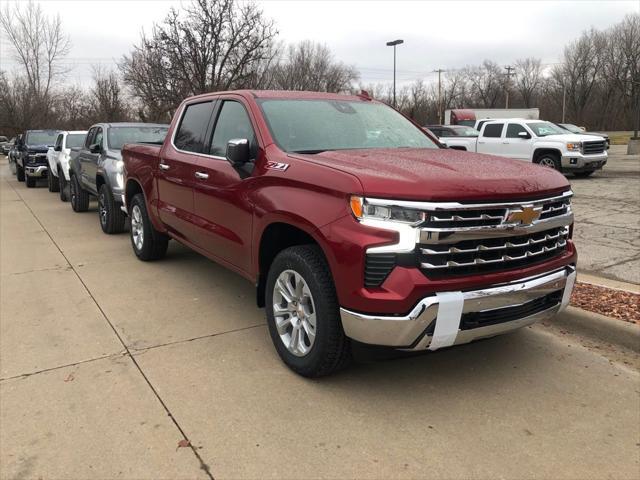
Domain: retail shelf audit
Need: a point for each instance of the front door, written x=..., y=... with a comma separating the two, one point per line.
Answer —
x=516, y=146
x=89, y=160
x=176, y=170
x=221, y=191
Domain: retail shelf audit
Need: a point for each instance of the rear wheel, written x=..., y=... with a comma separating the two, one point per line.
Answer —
x=147, y=242
x=112, y=218
x=551, y=160
x=20, y=173
x=52, y=183
x=303, y=313
x=79, y=198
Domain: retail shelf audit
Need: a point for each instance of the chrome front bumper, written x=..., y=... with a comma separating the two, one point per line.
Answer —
x=37, y=171
x=436, y=320
x=582, y=162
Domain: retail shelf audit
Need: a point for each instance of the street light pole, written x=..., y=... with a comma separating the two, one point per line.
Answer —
x=393, y=44
x=439, y=71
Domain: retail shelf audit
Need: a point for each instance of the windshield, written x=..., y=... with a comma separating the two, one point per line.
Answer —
x=118, y=136
x=542, y=129
x=467, y=123
x=75, y=140
x=41, y=138
x=466, y=132
x=314, y=126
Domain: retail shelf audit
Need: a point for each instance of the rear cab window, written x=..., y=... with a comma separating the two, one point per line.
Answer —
x=190, y=136
x=493, y=130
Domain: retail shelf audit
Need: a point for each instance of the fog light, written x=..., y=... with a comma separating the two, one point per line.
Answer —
x=573, y=161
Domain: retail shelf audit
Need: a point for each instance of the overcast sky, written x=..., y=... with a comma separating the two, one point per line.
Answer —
x=437, y=34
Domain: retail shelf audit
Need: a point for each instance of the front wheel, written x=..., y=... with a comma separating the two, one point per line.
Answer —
x=147, y=242
x=20, y=173
x=52, y=182
x=550, y=160
x=111, y=216
x=79, y=198
x=303, y=313
x=30, y=181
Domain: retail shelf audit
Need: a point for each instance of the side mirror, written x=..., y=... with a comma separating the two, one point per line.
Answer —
x=57, y=149
x=238, y=151
x=95, y=148
x=524, y=135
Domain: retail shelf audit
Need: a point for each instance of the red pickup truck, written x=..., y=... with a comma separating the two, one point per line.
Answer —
x=353, y=223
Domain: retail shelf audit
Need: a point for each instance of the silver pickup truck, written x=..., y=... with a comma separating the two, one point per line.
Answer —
x=96, y=168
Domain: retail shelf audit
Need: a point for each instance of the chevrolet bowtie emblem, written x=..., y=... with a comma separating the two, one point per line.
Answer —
x=525, y=216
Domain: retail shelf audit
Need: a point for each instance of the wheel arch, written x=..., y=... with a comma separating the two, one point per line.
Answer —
x=539, y=152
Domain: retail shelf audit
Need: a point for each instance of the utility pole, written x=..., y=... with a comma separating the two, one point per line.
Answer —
x=564, y=98
x=394, y=44
x=439, y=71
x=508, y=68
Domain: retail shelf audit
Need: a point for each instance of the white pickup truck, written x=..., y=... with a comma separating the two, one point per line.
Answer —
x=58, y=158
x=540, y=142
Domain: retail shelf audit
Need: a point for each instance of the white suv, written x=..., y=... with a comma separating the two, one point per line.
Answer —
x=544, y=143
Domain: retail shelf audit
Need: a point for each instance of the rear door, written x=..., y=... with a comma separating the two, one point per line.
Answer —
x=177, y=168
x=221, y=198
x=490, y=139
x=515, y=146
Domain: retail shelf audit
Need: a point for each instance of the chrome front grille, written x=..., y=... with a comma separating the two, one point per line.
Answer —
x=592, y=148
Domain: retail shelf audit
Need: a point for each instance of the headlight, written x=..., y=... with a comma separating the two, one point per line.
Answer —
x=574, y=146
x=363, y=210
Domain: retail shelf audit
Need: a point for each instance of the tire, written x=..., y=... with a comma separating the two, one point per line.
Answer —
x=20, y=173
x=551, y=160
x=147, y=242
x=584, y=174
x=79, y=198
x=330, y=349
x=111, y=217
x=52, y=182
x=30, y=181
x=64, y=187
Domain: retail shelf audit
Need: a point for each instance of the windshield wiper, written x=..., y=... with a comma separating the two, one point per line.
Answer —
x=309, y=152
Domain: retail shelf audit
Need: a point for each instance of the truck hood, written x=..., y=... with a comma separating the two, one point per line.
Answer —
x=442, y=174
x=37, y=148
x=571, y=137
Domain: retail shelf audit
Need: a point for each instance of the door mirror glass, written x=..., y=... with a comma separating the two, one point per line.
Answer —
x=238, y=151
x=95, y=148
x=524, y=135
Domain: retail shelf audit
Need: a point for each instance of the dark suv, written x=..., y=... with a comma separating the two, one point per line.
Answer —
x=31, y=155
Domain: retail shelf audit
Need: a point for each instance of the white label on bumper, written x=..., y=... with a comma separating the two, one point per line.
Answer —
x=568, y=288
x=448, y=320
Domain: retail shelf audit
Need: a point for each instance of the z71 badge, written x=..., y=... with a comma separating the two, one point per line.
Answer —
x=277, y=166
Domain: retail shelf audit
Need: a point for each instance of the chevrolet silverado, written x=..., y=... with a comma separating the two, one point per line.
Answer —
x=352, y=223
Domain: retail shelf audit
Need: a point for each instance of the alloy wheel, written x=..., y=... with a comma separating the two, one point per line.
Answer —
x=294, y=312
x=137, y=227
x=102, y=209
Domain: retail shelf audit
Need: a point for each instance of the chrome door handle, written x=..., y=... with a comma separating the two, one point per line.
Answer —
x=164, y=166
x=202, y=175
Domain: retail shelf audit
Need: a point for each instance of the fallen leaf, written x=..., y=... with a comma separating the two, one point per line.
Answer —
x=183, y=443
x=69, y=378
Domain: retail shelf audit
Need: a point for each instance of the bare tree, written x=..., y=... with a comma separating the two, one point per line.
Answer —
x=106, y=97
x=39, y=45
x=486, y=83
x=209, y=45
x=528, y=78
x=311, y=66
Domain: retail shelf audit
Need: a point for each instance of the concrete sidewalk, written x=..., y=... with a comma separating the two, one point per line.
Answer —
x=108, y=364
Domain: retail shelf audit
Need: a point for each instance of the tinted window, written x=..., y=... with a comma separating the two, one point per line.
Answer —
x=513, y=129
x=59, y=140
x=92, y=132
x=493, y=130
x=98, y=138
x=118, y=136
x=233, y=122
x=190, y=135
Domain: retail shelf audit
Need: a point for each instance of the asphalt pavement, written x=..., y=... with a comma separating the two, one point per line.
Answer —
x=115, y=368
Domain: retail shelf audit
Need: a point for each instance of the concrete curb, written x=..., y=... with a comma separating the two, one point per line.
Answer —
x=584, y=277
x=600, y=328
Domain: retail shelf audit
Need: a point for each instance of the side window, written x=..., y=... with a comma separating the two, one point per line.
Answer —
x=98, y=138
x=59, y=141
x=513, y=129
x=233, y=122
x=89, y=140
x=446, y=133
x=190, y=134
x=493, y=130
